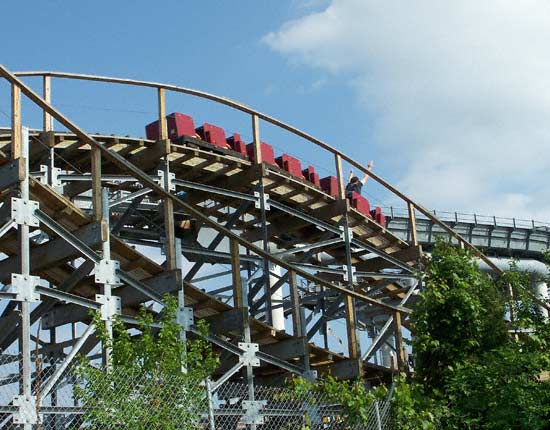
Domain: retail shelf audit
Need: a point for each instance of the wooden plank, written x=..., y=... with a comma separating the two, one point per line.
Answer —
x=351, y=327
x=340, y=176
x=96, y=184
x=412, y=224
x=236, y=275
x=47, y=118
x=297, y=326
x=256, y=136
x=399, y=341
x=16, y=138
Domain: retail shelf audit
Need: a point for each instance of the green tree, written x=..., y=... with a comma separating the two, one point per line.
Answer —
x=459, y=315
x=482, y=355
x=145, y=386
x=480, y=375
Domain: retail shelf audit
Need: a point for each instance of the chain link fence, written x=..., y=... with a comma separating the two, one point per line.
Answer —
x=135, y=401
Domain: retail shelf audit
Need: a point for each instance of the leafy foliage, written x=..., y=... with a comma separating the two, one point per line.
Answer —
x=482, y=354
x=460, y=314
x=145, y=386
x=480, y=376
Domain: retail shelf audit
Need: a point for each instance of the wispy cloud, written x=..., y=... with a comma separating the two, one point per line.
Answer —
x=460, y=88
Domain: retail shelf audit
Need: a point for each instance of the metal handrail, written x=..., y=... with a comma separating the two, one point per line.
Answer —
x=258, y=115
x=472, y=218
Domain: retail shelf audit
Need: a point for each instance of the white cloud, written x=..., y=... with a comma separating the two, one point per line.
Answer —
x=461, y=88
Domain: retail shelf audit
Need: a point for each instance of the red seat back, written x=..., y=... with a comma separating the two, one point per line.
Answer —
x=360, y=203
x=311, y=175
x=378, y=216
x=212, y=134
x=268, y=155
x=291, y=164
x=237, y=144
x=330, y=186
x=178, y=125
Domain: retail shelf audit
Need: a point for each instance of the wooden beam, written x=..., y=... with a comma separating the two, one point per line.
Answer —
x=97, y=201
x=340, y=176
x=169, y=228
x=399, y=341
x=297, y=323
x=351, y=329
x=412, y=224
x=16, y=138
x=256, y=137
x=47, y=118
x=236, y=275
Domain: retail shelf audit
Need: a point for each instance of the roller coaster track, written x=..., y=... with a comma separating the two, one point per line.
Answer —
x=275, y=262
x=496, y=236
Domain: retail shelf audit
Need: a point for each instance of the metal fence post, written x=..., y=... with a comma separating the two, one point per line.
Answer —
x=211, y=420
x=378, y=420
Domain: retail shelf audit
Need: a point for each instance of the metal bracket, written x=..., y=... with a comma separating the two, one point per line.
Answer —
x=184, y=317
x=171, y=179
x=24, y=287
x=56, y=183
x=343, y=233
x=310, y=375
x=22, y=212
x=248, y=357
x=258, y=203
x=27, y=410
x=253, y=414
x=353, y=276
x=106, y=272
x=110, y=306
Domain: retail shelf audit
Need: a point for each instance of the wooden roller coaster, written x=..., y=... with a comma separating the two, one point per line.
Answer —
x=85, y=216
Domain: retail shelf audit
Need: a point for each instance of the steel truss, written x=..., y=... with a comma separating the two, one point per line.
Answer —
x=67, y=235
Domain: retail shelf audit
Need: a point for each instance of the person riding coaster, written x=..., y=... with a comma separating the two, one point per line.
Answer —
x=354, y=184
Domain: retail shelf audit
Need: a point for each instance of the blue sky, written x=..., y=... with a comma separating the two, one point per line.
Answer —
x=428, y=92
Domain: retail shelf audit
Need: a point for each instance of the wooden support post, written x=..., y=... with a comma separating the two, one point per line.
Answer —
x=412, y=224
x=340, y=177
x=256, y=137
x=297, y=326
x=351, y=327
x=400, y=351
x=351, y=316
x=170, y=244
x=97, y=199
x=236, y=274
x=15, y=122
x=48, y=119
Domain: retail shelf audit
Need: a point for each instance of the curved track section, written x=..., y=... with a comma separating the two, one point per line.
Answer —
x=291, y=276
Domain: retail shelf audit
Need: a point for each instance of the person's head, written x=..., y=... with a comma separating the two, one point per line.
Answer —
x=353, y=180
